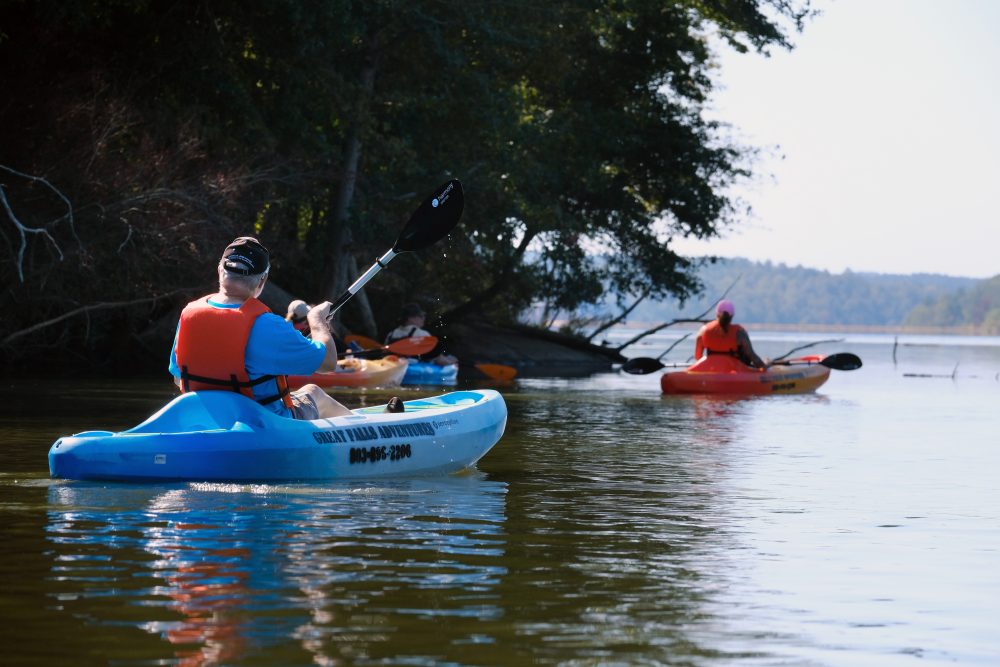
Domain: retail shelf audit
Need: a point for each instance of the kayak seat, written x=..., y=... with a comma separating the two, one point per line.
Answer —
x=206, y=411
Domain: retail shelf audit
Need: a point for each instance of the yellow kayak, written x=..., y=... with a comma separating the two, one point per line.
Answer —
x=351, y=372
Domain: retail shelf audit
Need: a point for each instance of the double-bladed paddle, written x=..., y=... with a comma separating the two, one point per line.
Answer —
x=434, y=218
x=646, y=365
x=841, y=361
x=405, y=347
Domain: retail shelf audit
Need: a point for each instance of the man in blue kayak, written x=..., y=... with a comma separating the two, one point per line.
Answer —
x=231, y=341
x=721, y=336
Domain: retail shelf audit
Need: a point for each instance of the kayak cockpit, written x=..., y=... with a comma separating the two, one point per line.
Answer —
x=207, y=411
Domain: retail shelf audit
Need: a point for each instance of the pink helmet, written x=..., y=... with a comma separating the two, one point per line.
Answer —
x=725, y=306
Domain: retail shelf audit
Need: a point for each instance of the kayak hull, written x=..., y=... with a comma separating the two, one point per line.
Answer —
x=223, y=436
x=357, y=373
x=424, y=373
x=720, y=374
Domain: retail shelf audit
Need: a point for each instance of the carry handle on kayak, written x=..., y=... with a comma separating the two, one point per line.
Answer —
x=434, y=218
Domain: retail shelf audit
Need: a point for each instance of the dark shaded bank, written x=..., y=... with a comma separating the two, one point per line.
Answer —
x=125, y=352
x=533, y=352
x=135, y=341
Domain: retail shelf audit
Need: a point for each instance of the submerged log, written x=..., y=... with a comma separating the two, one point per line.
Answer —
x=532, y=351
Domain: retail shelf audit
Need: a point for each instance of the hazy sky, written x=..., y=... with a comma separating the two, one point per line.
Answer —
x=884, y=125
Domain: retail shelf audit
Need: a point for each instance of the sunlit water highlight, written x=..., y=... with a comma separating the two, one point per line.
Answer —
x=856, y=526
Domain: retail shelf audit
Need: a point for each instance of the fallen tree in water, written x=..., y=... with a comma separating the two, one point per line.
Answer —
x=532, y=351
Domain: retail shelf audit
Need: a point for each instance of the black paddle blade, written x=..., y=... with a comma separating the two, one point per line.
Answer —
x=642, y=366
x=842, y=361
x=436, y=216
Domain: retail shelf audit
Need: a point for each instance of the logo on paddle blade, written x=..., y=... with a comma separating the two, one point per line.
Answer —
x=443, y=197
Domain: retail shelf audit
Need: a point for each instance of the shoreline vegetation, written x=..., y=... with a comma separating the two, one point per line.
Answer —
x=901, y=329
x=777, y=295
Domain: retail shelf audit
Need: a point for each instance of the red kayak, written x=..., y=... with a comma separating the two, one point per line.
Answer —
x=723, y=374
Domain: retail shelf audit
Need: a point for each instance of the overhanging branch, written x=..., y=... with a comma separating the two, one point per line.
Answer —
x=698, y=319
x=23, y=230
x=625, y=313
x=104, y=305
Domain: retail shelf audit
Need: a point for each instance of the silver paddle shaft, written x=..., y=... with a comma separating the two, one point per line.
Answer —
x=360, y=282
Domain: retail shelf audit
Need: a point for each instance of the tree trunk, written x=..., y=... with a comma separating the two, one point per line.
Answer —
x=341, y=266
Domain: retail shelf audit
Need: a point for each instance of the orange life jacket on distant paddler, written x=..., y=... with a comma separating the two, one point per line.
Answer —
x=714, y=339
x=211, y=350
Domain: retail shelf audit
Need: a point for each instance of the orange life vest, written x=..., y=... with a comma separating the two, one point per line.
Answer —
x=211, y=350
x=718, y=341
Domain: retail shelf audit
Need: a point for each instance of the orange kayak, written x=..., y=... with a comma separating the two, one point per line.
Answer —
x=366, y=373
x=722, y=374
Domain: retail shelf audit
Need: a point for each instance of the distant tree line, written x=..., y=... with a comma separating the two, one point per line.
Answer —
x=976, y=305
x=774, y=293
x=138, y=137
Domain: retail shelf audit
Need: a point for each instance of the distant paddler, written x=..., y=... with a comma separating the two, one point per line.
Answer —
x=411, y=325
x=722, y=336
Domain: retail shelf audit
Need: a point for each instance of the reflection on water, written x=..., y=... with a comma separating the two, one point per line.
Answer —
x=228, y=571
x=624, y=519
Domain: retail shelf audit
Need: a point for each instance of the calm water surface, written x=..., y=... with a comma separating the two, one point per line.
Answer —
x=610, y=526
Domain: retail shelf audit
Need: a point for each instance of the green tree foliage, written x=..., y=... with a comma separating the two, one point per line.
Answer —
x=608, y=151
x=140, y=136
x=977, y=307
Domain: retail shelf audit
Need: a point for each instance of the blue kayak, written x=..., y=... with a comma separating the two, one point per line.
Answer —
x=423, y=372
x=224, y=436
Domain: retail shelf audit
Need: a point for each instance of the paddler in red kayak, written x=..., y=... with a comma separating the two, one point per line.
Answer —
x=231, y=341
x=296, y=314
x=723, y=337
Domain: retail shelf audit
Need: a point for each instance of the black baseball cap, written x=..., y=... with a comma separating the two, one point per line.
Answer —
x=246, y=256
